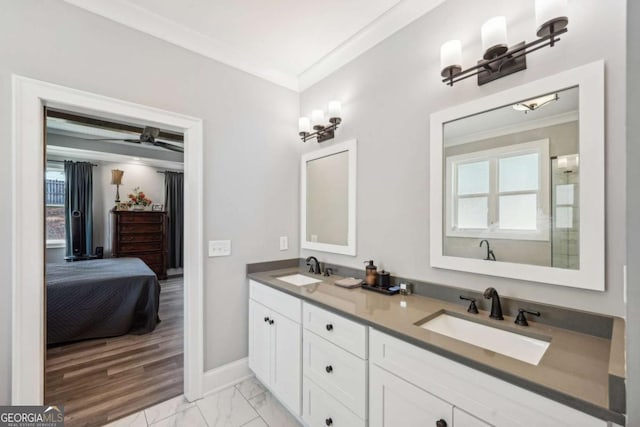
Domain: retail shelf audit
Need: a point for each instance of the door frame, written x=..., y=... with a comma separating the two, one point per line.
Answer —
x=28, y=285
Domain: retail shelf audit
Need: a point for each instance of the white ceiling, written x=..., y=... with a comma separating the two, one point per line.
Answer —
x=291, y=42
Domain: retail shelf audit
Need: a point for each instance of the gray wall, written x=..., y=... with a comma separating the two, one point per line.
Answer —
x=388, y=94
x=633, y=214
x=251, y=152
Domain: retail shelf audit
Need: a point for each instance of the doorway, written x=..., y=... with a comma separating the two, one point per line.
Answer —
x=28, y=336
x=114, y=256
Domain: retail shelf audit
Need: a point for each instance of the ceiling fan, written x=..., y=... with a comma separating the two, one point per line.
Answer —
x=147, y=137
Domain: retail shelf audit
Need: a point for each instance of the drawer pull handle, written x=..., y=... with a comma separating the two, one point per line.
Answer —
x=329, y=369
x=441, y=423
x=328, y=421
x=329, y=327
x=271, y=321
x=266, y=319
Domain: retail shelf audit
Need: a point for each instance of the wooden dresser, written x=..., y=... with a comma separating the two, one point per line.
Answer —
x=141, y=234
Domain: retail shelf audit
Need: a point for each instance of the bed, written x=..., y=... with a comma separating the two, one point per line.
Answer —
x=100, y=298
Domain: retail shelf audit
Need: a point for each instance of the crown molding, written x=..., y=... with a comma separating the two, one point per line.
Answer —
x=396, y=18
x=133, y=16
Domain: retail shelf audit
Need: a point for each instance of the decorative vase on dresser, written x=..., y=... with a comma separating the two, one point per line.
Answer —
x=141, y=234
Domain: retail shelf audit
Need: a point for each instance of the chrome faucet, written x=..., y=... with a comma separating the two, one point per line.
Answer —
x=490, y=255
x=496, y=308
x=314, y=265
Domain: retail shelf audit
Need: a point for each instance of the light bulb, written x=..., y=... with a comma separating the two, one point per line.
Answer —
x=494, y=37
x=304, y=125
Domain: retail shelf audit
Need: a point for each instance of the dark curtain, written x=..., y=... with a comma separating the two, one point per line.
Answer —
x=174, y=204
x=78, y=195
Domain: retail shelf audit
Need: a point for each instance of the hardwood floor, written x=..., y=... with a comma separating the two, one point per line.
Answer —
x=101, y=380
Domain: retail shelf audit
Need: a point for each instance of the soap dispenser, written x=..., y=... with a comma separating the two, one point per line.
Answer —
x=371, y=276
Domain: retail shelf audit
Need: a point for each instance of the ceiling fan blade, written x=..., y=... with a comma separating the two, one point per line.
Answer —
x=112, y=139
x=168, y=146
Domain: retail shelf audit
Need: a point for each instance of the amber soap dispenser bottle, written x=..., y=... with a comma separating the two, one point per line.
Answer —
x=371, y=276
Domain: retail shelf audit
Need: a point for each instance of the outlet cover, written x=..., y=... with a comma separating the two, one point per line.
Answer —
x=284, y=243
x=219, y=248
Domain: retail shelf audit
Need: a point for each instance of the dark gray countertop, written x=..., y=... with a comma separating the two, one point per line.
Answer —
x=575, y=370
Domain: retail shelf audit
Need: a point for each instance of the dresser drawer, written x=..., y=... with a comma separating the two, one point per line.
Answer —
x=142, y=237
x=140, y=228
x=284, y=304
x=340, y=373
x=320, y=409
x=138, y=218
x=139, y=247
x=342, y=332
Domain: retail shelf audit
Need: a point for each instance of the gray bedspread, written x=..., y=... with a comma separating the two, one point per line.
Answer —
x=100, y=298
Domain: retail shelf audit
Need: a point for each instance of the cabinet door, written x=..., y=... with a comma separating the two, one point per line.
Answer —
x=394, y=402
x=286, y=378
x=463, y=419
x=259, y=341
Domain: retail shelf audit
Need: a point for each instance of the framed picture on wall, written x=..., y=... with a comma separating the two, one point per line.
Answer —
x=157, y=207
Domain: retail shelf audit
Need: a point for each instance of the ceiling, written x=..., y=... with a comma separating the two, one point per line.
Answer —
x=507, y=120
x=71, y=140
x=293, y=43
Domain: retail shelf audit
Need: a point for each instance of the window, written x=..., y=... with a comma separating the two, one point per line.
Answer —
x=499, y=193
x=54, y=206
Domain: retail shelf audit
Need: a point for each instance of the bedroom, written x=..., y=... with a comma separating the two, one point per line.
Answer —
x=114, y=275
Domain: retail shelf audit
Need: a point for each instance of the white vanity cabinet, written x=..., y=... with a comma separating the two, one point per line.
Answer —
x=412, y=386
x=335, y=369
x=275, y=343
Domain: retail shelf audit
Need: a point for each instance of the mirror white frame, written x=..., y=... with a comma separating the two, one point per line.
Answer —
x=589, y=79
x=350, y=247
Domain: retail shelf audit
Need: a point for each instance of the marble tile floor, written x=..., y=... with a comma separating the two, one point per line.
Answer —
x=247, y=404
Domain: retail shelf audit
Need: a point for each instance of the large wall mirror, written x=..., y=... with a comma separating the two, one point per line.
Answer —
x=518, y=182
x=328, y=199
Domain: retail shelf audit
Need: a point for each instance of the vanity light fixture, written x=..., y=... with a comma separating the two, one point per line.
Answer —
x=499, y=59
x=321, y=131
x=535, y=103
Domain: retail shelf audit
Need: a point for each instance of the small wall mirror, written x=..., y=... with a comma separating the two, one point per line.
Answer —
x=515, y=170
x=328, y=199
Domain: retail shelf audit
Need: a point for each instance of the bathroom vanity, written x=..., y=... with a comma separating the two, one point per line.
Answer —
x=340, y=357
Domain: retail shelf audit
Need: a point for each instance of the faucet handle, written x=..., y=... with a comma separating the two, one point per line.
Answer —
x=328, y=271
x=473, y=308
x=521, y=319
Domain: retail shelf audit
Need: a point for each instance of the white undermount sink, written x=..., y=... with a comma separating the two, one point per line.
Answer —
x=521, y=347
x=298, y=279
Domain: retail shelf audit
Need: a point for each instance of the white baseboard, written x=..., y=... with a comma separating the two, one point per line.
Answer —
x=226, y=375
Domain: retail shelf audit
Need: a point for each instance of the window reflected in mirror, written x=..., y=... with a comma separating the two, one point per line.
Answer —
x=512, y=179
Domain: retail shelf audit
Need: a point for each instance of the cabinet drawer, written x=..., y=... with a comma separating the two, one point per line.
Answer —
x=140, y=228
x=320, y=409
x=342, y=332
x=138, y=218
x=338, y=372
x=284, y=304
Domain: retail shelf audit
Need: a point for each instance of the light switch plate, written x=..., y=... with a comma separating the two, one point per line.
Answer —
x=284, y=243
x=219, y=248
